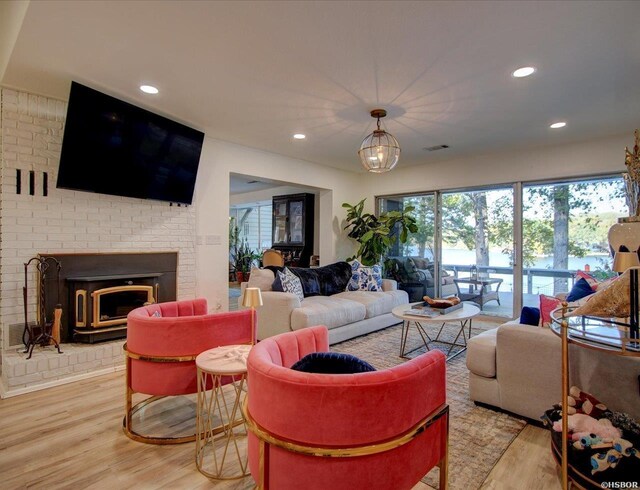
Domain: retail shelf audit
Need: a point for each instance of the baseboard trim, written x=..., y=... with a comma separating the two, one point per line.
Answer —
x=5, y=392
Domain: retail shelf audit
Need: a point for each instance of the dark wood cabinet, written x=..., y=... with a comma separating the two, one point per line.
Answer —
x=292, y=228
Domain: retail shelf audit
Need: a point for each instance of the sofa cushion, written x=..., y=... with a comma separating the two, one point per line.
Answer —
x=330, y=311
x=481, y=353
x=547, y=305
x=309, y=280
x=261, y=278
x=375, y=303
x=291, y=283
x=365, y=278
x=333, y=278
x=580, y=289
x=410, y=266
x=530, y=316
x=420, y=262
x=589, y=279
x=332, y=363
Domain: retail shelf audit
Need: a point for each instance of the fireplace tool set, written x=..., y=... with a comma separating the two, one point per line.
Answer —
x=41, y=332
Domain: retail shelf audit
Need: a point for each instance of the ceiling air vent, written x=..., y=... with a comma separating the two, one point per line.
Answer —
x=252, y=181
x=435, y=148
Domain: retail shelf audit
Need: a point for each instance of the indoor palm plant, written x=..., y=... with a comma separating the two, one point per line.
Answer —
x=377, y=234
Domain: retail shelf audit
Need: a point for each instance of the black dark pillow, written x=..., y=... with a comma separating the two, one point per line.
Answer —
x=309, y=280
x=530, y=315
x=326, y=280
x=333, y=278
x=581, y=289
x=332, y=363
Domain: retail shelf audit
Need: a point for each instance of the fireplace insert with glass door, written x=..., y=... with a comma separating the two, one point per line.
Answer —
x=101, y=303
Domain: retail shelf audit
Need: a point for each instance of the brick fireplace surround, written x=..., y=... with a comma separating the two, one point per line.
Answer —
x=58, y=221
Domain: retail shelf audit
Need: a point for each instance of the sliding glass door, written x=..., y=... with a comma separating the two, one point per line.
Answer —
x=477, y=248
x=412, y=264
x=468, y=238
x=565, y=226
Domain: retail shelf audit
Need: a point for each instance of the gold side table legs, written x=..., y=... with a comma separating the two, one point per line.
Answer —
x=221, y=428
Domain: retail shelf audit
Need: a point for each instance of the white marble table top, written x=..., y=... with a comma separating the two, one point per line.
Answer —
x=228, y=359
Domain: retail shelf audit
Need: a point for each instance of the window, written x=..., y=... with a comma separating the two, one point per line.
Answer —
x=254, y=224
x=468, y=235
x=564, y=229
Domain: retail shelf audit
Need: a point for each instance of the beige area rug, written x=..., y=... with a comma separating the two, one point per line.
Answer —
x=477, y=436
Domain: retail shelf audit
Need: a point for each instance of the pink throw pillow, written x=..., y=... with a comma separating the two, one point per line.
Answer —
x=547, y=305
x=592, y=281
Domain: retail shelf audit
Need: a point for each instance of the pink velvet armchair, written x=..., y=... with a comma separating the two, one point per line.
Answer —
x=376, y=430
x=163, y=341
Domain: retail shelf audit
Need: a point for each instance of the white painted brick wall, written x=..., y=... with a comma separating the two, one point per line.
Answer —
x=31, y=129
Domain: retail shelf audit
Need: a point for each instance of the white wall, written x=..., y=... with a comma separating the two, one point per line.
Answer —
x=598, y=156
x=67, y=221
x=267, y=194
x=12, y=14
x=219, y=159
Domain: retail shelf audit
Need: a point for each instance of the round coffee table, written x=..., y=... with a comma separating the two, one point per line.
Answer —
x=463, y=315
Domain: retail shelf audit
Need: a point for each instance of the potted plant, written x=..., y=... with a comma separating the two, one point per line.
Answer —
x=250, y=258
x=234, y=252
x=245, y=258
x=377, y=234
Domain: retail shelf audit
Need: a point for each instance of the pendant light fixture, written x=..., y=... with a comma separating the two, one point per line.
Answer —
x=379, y=151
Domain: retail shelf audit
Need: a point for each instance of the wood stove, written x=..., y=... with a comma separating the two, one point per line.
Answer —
x=100, y=289
x=101, y=303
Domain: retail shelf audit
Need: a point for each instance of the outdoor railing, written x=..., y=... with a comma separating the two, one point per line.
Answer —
x=529, y=272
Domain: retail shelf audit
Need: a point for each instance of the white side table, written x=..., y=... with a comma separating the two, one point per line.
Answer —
x=227, y=363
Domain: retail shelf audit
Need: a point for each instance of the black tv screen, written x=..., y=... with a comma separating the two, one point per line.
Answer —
x=113, y=147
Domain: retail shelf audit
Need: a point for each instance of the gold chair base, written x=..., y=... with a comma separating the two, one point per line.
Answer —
x=131, y=410
x=160, y=440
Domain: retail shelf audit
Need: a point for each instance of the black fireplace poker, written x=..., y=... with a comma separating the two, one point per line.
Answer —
x=45, y=328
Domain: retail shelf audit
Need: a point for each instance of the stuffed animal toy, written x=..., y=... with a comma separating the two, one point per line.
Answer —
x=602, y=461
x=581, y=425
x=610, y=459
x=582, y=402
x=593, y=442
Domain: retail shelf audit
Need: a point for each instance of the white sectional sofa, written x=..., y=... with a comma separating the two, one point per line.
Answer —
x=346, y=314
x=518, y=368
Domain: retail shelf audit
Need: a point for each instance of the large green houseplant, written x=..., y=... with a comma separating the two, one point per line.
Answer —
x=377, y=234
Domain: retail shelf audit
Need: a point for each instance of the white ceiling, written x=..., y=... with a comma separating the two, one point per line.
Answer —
x=254, y=73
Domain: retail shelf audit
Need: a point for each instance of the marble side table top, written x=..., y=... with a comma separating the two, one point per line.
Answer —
x=228, y=359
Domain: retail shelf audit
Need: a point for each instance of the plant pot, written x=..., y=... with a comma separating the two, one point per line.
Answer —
x=247, y=275
x=240, y=276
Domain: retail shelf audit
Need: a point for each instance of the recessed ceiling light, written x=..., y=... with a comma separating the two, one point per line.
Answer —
x=558, y=125
x=299, y=136
x=149, y=89
x=525, y=71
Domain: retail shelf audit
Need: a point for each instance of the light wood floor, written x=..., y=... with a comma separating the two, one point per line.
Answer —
x=70, y=437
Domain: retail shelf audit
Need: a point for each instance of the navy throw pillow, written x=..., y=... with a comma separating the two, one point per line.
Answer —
x=309, y=280
x=333, y=278
x=332, y=363
x=530, y=316
x=580, y=289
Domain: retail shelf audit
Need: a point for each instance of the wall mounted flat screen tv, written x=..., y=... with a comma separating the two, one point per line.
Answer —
x=113, y=147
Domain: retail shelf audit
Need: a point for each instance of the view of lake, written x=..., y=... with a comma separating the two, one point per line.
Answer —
x=542, y=285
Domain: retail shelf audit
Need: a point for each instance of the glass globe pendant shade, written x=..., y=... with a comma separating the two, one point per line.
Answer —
x=379, y=151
